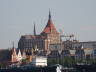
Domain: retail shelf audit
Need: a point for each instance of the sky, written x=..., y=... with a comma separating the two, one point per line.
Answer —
x=17, y=17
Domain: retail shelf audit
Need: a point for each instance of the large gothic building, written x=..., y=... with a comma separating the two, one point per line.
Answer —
x=43, y=41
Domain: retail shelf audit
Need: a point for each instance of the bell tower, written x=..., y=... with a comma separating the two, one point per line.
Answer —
x=51, y=34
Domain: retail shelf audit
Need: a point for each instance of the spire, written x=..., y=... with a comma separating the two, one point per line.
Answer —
x=13, y=44
x=13, y=48
x=34, y=30
x=49, y=14
x=19, y=56
x=50, y=28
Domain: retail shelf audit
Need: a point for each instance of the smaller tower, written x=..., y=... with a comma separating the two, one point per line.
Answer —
x=34, y=32
x=14, y=55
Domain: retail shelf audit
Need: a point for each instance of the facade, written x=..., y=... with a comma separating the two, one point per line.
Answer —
x=69, y=44
x=27, y=42
x=48, y=36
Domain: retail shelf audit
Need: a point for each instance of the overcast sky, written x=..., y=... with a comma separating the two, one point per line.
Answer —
x=17, y=18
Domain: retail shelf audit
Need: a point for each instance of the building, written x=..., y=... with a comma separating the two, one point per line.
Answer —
x=48, y=43
x=39, y=61
x=88, y=44
x=48, y=36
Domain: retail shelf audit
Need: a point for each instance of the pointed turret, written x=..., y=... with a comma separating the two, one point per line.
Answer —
x=14, y=57
x=13, y=49
x=19, y=55
x=34, y=30
x=50, y=28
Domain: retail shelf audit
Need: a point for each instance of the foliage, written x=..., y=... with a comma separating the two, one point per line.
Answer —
x=66, y=61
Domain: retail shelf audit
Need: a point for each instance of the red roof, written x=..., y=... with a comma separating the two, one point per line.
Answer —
x=49, y=27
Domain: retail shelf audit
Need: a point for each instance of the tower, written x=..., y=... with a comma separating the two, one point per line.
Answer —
x=50, y=33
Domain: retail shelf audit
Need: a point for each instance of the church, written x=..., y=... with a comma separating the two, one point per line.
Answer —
x=42, y=41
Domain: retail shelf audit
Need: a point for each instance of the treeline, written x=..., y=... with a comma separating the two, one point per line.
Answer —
x=70, y=61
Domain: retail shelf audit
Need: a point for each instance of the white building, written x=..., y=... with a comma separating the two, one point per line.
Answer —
x=72, y=52
x=39, y=61
x=88, y=53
